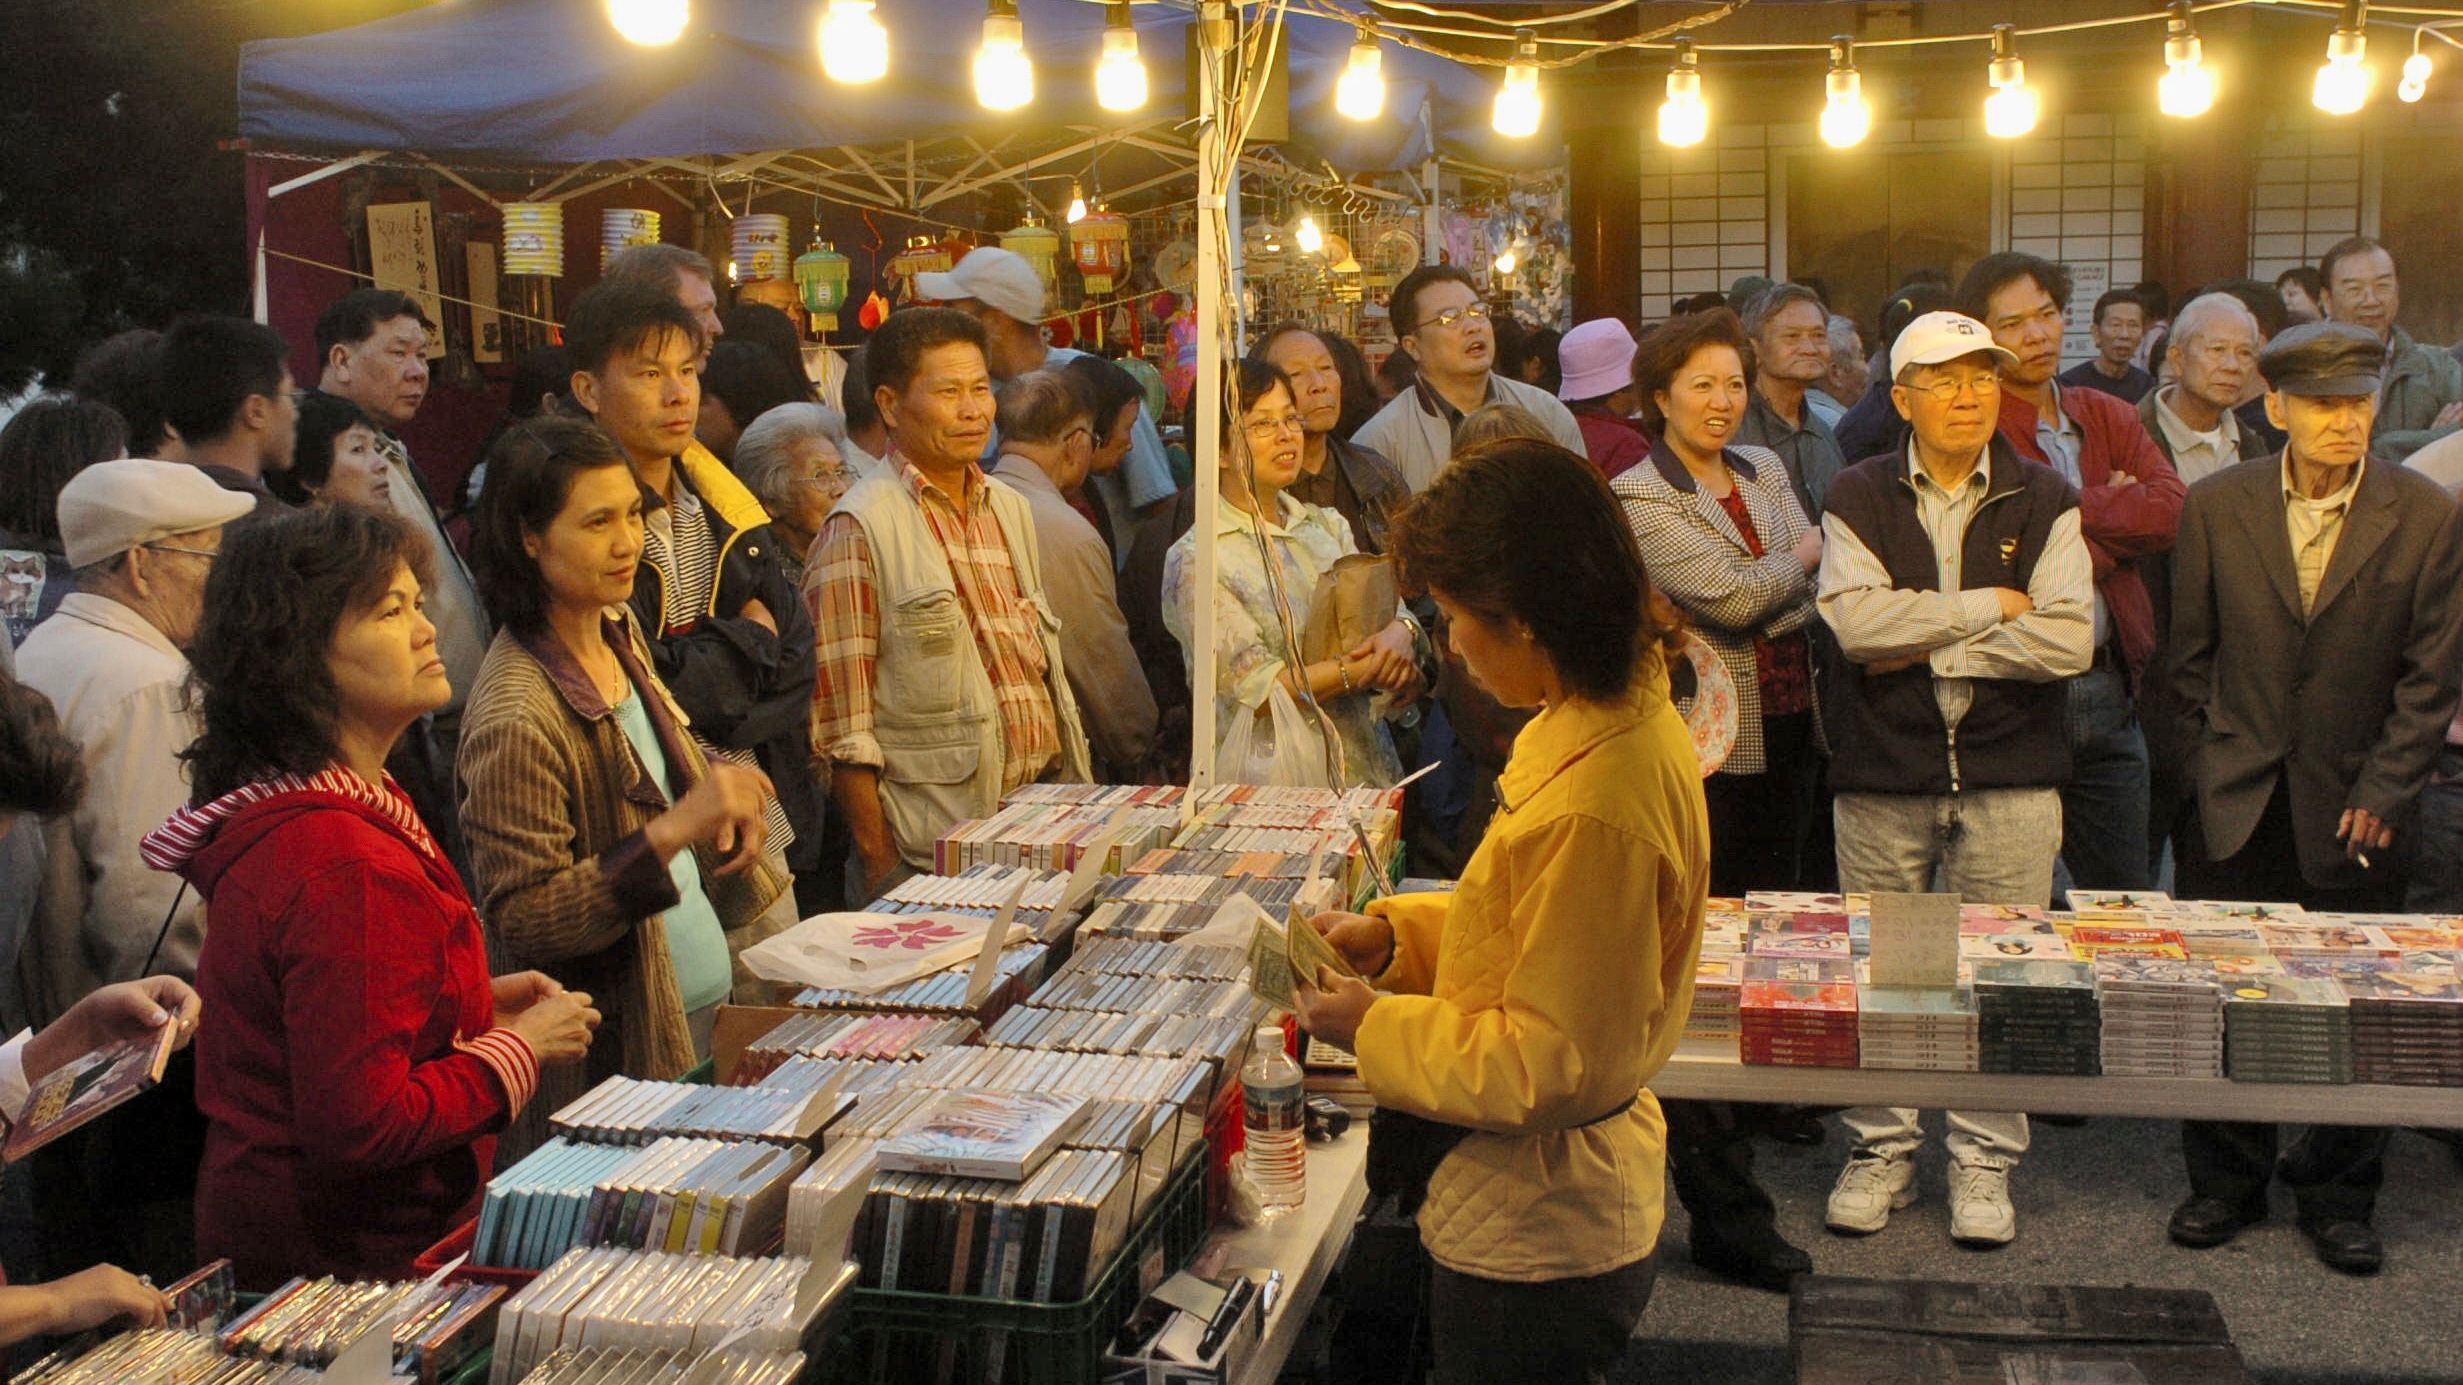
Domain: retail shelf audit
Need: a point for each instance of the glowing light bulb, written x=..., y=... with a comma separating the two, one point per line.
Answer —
x=2344, y=81
x=1507, y=260
x=1516, y=115
x=854, y=46
x=1004, y=75
x=2012, y=108
x=1077, y=203
x=650, y=23
x=1683, y=118
x=1312, y=239
x=1846, y=118
x=2187, y=87
x=1120, y=75
x=2415, y=82
x=1360, y=93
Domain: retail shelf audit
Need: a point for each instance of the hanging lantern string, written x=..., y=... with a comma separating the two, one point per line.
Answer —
x=272, y=254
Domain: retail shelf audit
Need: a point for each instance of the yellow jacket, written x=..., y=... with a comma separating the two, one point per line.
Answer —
x=1548, y=988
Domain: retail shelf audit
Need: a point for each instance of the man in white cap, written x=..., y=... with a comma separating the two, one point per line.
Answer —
x=1003, y=292
x=1959, y=587
x=141, y=536
x=1597, y=358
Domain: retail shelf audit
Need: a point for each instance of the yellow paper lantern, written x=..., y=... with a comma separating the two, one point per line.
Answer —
x=1100, y=246
x=923, y=255
x=1038, y=245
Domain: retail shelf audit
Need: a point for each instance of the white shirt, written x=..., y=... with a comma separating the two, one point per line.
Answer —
x=2196, y=455
x=14, y=1088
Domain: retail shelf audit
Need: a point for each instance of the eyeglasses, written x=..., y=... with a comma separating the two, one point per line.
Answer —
x=1085, y=431
x=1947, y=391
x=1269, y=427
x=1452, y=316
x=191, y=552
x=834, y=476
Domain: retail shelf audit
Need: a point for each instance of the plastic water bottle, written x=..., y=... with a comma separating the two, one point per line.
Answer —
x=1274, y=1116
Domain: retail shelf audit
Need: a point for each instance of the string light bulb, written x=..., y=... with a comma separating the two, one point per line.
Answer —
x=2012, y=108
x=1360, y=93
x=1506, y=261
x=650, y=23
x=1683, y=118
x=1004, y=75
x=1312, y=238
x=2187, y=88
x=1517, y=110
x=1846, y=118
x=1120, y=75
x=1077, y=202
x=2344, y=80
x=2415, y=73
x=854, y=46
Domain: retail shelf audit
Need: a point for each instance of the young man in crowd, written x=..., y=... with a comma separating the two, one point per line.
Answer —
x=726, y=629
x=1355, y=480
x=1047, y=447
x=1960, y=590
x=2129, y=505
x=940, y=687
x=2314, y=643
x=1597, y=384
x=1791, y=356
x=1444, y=328
x=226, y=397
x=2120, y=325
x=2304, y=293
x=2421, y=398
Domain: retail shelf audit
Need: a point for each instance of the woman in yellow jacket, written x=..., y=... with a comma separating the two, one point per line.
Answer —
x=1530, y=1006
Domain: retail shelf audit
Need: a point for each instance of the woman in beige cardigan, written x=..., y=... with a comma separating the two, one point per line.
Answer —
x=602, y=840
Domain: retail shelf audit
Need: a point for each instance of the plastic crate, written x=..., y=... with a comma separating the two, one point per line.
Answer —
x=896, y=1337
x=458, y=1242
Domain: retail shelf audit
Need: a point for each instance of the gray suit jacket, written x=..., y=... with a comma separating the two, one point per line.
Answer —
x=2349, y=705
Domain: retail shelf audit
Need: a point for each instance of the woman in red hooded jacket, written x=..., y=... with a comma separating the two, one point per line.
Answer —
x=357, y=1059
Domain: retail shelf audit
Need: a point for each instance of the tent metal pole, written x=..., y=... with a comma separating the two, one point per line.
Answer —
x=1215, y=122
x=1432, y=221
x=320, y=175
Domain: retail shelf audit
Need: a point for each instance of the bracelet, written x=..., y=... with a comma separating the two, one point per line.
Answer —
x=1343, y=667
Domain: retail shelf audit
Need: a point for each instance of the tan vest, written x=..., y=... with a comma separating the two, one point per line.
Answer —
x=934, y=711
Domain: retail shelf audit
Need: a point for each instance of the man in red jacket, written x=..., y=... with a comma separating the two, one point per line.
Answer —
x=2129, y=501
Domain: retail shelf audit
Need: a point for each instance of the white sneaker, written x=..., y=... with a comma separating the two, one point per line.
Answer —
x=1980, y=1211
x=1870, y=1188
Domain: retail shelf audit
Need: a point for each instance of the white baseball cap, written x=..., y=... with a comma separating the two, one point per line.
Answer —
x=1943, y=336
x=112, y=507
x=999, y=278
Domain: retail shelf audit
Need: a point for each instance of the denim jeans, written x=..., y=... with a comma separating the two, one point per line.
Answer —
x=2104, y=806
x=2437, y=841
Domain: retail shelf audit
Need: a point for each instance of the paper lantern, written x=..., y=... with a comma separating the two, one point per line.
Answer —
x=923, y=255
x=1038, y=245
x=621, y=228
x=1100, y=245
x=534, y=238
x=821, y=278
x=759, y=241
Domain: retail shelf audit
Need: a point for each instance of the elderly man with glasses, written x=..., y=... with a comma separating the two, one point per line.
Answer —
x=1445, y=328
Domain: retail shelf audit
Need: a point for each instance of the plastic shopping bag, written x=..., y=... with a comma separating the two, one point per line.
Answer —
x=1286, y=747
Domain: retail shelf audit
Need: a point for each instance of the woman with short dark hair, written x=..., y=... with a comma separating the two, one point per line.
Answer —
x=334, y=457
x=361, y=1060
x=45, y=444
x=603, y=839
x=1519, y=1017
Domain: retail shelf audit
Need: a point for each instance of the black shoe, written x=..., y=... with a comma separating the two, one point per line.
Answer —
x=2347, y=1247
x=2203, y=1223
x=1762, y=1263
x=2066, y=1122
x=1798, y=1126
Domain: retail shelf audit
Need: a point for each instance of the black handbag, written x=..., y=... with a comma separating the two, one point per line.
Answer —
x=1404, y=1151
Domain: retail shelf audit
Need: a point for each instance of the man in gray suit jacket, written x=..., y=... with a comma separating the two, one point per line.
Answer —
x=2313, y=655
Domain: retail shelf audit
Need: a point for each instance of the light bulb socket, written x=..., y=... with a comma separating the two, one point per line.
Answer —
x=1843, y=83
x=1116, y=20
x=2182, y=49
x=1523, y=71
x=2347, y=46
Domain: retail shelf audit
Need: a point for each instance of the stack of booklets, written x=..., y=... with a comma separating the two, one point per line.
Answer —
x=2407, y=1023
x=629, y=1300
x=1804, y=1024
x=600, y=1366
x=883, y=1037
x=1044, y=1240
x=160, y=1354
x=630, y=1111
x=1004, y=1135
x=1020, y=970
x=2162, y=1017
x=2287, y=1029
x=2038, y=1018
x=1132, y=957
x=1803, y=936
x=1912, y=1028
x=1718, y=987
x=690, y=1196
x=1162, y=907
x=1219, y=1039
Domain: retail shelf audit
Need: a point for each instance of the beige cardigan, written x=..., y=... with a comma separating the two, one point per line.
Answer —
x=554, y=802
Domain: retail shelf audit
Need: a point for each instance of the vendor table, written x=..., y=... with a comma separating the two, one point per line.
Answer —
x=1303, y=1244
x=1708, y=1070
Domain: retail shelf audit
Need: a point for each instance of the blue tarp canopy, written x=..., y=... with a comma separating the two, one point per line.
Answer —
x=550, y=82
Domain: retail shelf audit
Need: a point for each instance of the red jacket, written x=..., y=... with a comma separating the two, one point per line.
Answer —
x=1614, y=443
x=2121, y=523
x=347, y=1063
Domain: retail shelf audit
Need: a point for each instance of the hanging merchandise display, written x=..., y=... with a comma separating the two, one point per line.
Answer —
x=821, y=275
x=534, y=238
x=621, y=228
x=1529, y=246
x=923, y=255
x=759, y=242
x=1038, y=245
x=1100, y=246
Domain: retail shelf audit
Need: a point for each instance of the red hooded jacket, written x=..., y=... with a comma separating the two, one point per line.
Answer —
x=347, y=1061
x=2121, y=523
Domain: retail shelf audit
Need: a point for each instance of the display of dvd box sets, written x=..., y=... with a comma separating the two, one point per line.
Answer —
x=982, y=892
x=1221, y=1040
x=295, y=1334
x=1126, y=994
x=1056, y=836
x=881, y=1037
x=600, y=1366
x=631, y=1111
x=1165, y=907
x=1131, y=957
x=1042, y=1240
x=1187, y=1085
x=690, y=1196
x=1020, y=968
x=153, y=1353
x=627, y=1300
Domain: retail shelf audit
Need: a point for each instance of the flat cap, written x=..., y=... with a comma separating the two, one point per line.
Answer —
x=2324, y=359
x=112, y=507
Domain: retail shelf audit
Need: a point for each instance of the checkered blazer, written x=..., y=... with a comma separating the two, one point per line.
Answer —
x=1696, y=556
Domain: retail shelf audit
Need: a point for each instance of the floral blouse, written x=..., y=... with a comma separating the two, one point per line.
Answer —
x=1250, y=653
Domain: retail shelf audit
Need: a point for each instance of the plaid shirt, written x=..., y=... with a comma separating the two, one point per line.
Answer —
x=846, y=612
